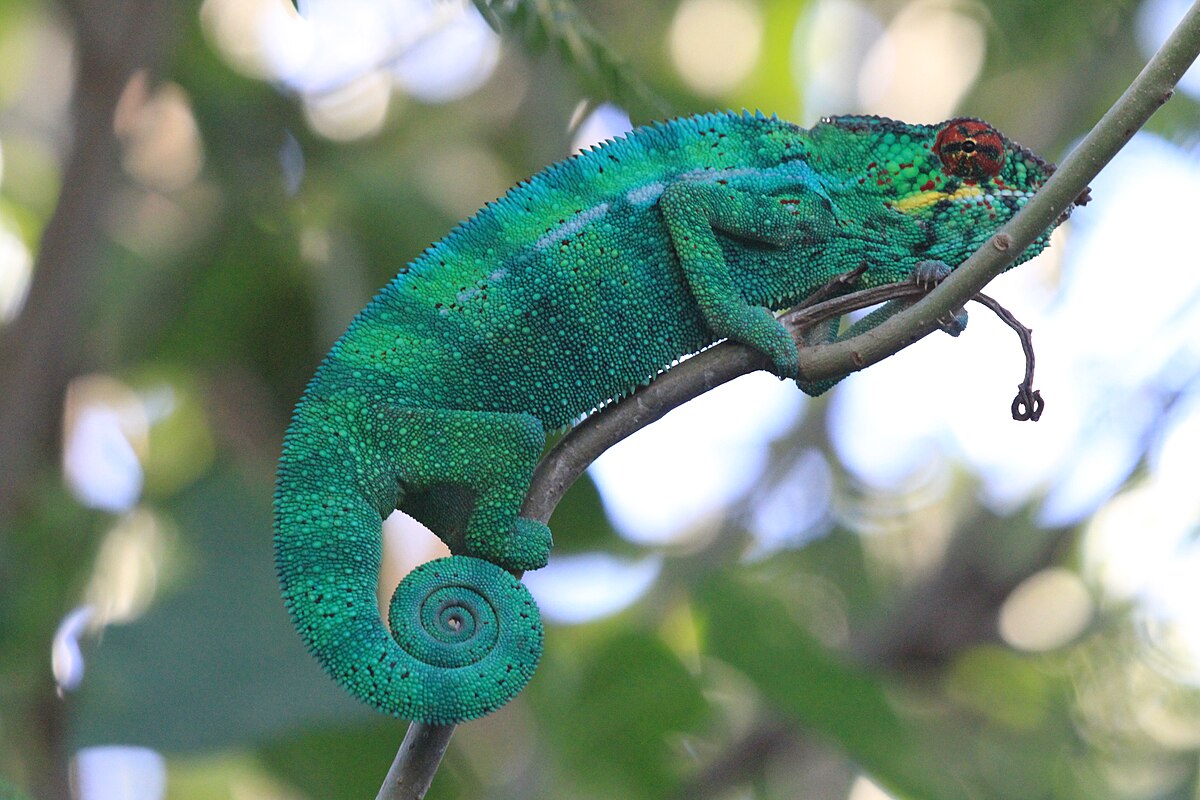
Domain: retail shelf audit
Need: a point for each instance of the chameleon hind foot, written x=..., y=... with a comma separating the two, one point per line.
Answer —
x=929, y=274
x=528, y=547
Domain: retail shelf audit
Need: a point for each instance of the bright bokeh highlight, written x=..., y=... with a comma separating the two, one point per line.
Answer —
x=120, y=772
x=347, y=58
x=16, y=269
x=1048, y=610
x=688, y=465
x=923, y=64
x=104, y=429
x=715, y=44
x=581, y=588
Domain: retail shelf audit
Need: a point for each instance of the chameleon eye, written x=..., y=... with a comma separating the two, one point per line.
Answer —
x=970, y=149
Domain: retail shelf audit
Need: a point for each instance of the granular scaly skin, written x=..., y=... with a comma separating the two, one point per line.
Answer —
x=570, y=291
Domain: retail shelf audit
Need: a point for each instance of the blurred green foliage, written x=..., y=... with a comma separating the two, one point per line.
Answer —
x=732, y=678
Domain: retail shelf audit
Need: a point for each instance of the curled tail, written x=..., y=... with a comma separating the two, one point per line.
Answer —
x=465, y=635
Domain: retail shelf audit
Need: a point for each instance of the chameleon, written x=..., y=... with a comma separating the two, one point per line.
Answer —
x=574, y=288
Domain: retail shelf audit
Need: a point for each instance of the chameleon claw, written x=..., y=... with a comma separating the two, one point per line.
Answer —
x=929, y=274
x=954, y=324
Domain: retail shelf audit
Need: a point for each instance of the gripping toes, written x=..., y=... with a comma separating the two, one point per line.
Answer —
x=535, y=542
x=762, y=331
x=929, y=274
x=527, y=548
x=956, y=323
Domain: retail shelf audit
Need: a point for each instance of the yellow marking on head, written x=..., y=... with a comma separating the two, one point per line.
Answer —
x=925, y=199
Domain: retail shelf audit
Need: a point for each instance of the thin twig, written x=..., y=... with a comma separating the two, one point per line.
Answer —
x=1152, y=87
x=1028, y=404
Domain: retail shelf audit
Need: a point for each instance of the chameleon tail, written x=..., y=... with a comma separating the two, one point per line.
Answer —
x=476, y=629
x=465, y=634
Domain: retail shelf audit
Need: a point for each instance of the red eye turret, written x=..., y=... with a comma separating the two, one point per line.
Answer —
x=970, y=149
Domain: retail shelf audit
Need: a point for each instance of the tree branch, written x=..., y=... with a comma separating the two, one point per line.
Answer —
x=417, y=761
x=1153, y=86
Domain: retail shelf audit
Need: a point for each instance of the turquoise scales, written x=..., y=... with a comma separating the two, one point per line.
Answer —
x=569, y=291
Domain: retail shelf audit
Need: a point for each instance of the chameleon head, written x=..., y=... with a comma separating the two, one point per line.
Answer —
x=958, y=181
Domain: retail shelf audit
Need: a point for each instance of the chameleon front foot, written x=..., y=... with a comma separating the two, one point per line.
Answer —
x=475, y=636
x=761, y=330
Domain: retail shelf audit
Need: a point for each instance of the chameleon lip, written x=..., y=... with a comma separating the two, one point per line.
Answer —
x=964, y=194
x=927, y=198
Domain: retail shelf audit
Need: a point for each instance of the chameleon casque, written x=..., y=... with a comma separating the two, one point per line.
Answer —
x=571, y=290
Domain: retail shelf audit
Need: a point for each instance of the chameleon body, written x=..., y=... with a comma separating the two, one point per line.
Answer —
x=570, y=291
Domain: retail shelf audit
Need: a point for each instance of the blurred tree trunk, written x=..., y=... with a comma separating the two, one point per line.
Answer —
x=42, y=350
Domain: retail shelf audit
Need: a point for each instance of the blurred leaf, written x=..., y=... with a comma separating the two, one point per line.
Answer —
x=751, y=629
x=772, y=86
x=181, y=447
x=10, y=792
x=613, y=732
x=839, y=560
x=217, y=662
x=909, y=737
x=340, y=762
x=1001, y=685
x=602, y=71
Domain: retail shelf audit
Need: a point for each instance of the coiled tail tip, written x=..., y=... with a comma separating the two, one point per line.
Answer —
x=474, y=634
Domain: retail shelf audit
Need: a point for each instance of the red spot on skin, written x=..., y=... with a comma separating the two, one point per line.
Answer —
x=928, y=186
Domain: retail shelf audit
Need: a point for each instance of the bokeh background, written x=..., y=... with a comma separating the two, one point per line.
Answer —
x=892, y=591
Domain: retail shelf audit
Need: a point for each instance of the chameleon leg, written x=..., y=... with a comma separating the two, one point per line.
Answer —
x=926, y=275
x=821, y=333
x=465, y=475
x=691, y=212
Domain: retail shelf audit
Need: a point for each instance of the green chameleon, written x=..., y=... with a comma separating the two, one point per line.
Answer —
x=570, y=291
